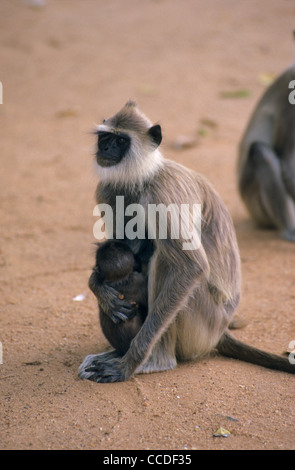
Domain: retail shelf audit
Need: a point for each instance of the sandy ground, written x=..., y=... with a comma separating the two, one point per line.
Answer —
x=64, y=67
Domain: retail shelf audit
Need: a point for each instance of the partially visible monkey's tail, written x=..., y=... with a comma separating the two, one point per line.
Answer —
x=231, y=347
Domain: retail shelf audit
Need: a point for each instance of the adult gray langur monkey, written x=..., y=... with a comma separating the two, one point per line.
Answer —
x=266, y=164
x=192, y=293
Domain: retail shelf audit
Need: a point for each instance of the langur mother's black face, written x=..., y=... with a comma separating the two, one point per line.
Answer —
x=111, y=147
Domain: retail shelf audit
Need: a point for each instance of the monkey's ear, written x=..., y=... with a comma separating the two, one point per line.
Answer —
x=155, y=132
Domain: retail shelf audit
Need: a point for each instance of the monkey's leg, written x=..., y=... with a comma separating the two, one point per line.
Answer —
x=194, y=332
x=162, y=356
x=121, y=334
x=270, y=204
x=288, y=173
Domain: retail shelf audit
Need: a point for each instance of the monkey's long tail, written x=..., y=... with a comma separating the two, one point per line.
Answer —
x=231, y=347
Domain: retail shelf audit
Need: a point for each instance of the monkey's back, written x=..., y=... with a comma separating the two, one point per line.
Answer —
x=218, y=253
x=267, y=124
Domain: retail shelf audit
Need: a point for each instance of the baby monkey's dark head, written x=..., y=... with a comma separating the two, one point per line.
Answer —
x=129, y=142
x=115, y=260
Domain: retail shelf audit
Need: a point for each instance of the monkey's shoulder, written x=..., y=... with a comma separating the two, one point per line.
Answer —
x=178, y=184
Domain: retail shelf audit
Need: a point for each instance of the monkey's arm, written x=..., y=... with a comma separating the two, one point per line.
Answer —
x=284, y=137
x=288, y=173
x=109, y=299
x=272, y=126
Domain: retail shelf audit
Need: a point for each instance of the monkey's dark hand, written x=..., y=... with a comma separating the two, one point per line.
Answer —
x=110, y=300
x=104, y=367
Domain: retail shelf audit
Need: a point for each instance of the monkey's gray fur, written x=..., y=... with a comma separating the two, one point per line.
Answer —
x=266, y=165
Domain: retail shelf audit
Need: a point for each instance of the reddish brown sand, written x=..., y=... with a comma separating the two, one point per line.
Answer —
x=64, y=67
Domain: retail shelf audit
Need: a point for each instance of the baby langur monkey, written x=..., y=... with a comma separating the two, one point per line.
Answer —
x=116, y=266
x=193, y=292
x=266, y=164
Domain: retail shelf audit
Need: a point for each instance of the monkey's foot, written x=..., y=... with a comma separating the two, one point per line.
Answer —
x=103, y=367
x=289, y=235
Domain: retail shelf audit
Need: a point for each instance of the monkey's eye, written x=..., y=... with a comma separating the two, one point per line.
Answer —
x=121, y=140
